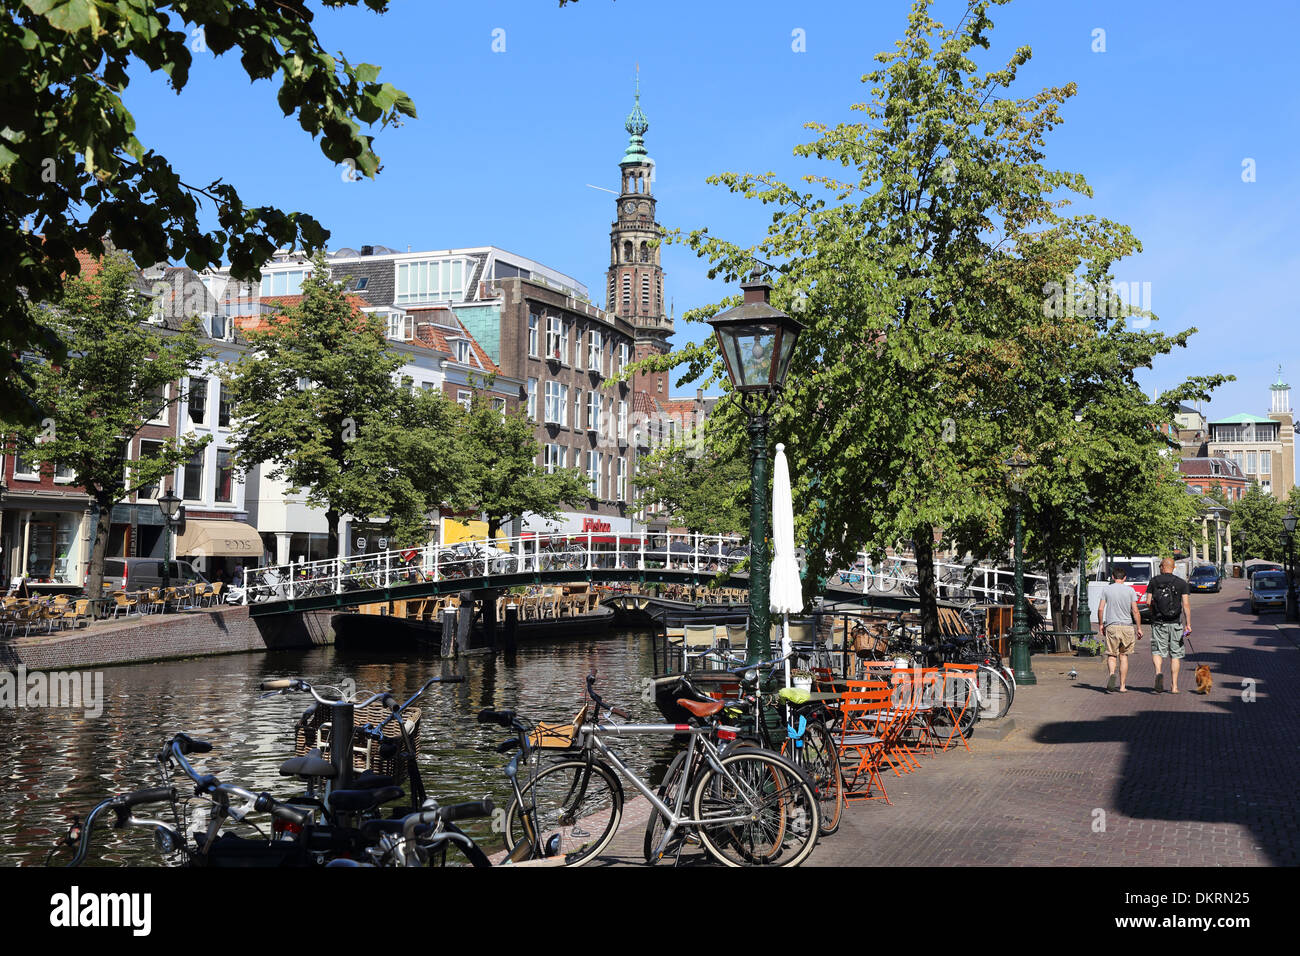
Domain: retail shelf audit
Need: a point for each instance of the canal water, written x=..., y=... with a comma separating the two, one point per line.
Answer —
x=54, y=763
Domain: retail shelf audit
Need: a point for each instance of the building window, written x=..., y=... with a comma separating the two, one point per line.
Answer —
x=1250, y=463
x=595, y=346
x=225, y=475
x=193, y=478
x=554, y=336
x=287, y=282
x=564, y=341
x=556, y=457
x=532, y=399
x=534, y=324
x=593, y=473
x=462, y=351
x=465, y=398
x=157, y=405
x=577, y=409
x=431, y=280
x=554, y=404
x=26, y=467
x=149, y=449
x=622, y=420
x=622, y=479
x=198, y=401
x=577, y=352
x=593, y=412
x=223, y=405
x=1266, y=463
x=401, y=327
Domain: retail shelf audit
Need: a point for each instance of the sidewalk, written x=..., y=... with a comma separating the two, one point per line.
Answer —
x=1087, y=778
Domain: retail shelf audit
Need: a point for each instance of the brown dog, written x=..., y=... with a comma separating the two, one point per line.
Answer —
x=1204, y=682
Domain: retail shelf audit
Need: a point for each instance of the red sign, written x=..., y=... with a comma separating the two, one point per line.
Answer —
x=409, y=554
x=594, y=524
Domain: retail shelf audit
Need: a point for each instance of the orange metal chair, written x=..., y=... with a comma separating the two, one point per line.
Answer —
x=865, y=733
x=960, y=692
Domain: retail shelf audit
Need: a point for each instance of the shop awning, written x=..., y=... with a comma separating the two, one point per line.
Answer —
x=218, y=539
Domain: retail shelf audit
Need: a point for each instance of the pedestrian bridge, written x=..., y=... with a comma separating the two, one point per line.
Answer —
x=597, y=558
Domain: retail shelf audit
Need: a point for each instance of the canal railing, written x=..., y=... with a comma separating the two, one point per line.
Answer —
x=595, y=556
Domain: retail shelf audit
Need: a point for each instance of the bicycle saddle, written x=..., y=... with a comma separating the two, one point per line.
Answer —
x=359, y=801
x=372, y=781
x=309, y=764
x=698, y=707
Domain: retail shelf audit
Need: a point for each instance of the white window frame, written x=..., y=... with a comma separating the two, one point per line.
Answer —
x=593, y=411
x=141, y=456
x=595, y=351
x=622, y=420
x=164, y=412
x=554, y=337
x=1266, y=463
x=593, y=473
x=534, y=327
x=577, y=409
x=564, y=342
x=401, y=327
x=532, y=399
x=622, y=478
x=465, y=398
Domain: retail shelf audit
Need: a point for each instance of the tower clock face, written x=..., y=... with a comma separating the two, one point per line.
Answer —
x=629, y=207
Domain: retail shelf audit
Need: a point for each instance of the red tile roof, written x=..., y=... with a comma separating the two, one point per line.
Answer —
x=435, y=332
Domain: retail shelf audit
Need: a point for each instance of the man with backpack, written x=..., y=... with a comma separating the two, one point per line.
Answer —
x=1171, y=621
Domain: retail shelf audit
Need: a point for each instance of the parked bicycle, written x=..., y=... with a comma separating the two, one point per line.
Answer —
x=747, y=807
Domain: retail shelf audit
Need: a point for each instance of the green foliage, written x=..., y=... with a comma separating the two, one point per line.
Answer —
x=73, y=171
x=317, y=402
x=108, y=385
x=952, y=316
x=1256, y=525
x=701, y=487
x=501, y=478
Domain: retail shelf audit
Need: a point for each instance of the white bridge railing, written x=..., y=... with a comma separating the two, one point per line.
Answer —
x=592, y=551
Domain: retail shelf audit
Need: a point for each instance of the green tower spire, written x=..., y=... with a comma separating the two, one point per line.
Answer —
x=636, y=126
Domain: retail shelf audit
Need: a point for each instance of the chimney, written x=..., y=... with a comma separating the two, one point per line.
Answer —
x=699, y=395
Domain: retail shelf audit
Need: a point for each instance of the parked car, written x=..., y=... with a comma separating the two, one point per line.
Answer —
x=1267, y=590
x=1206, y=578
x=138, y=574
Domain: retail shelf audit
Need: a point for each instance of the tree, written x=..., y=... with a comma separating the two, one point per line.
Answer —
x=73, y=172
x=500, y=475
x=316, y=401
x=700, y=488
x=926, y=282
x=111, y=381
x=1257, y=525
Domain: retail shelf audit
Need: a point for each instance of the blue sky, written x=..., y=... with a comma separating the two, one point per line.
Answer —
x=506, y=141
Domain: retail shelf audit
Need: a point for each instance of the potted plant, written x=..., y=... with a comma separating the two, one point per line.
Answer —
x=802, y=679
x=1090, y=647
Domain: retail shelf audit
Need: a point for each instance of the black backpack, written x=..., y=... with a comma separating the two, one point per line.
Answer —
x=1165, y=601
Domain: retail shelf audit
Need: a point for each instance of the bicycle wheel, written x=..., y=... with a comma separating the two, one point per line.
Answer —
x=580, y=802
x=778, y=810
x=994, y=693
x=821, y=760
x=654, y=827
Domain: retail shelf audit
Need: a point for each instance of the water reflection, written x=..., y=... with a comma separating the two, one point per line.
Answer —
x=56, y=763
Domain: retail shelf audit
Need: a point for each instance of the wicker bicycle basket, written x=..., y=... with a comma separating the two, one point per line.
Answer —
x=314, y=730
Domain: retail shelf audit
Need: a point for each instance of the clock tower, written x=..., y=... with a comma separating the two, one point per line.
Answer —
x=635, y=283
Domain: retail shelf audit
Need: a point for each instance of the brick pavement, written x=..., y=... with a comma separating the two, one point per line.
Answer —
x=1176, y=779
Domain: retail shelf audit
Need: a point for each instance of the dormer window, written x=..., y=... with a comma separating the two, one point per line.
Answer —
x=462, y=351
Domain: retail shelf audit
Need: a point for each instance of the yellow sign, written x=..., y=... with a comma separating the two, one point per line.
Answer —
x=454, y=531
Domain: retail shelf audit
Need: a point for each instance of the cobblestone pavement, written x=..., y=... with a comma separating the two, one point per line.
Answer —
x=1087, y=778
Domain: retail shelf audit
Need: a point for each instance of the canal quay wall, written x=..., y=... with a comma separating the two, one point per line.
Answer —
x=198, y=633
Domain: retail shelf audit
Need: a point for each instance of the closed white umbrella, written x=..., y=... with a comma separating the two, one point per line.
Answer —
x=785, y=593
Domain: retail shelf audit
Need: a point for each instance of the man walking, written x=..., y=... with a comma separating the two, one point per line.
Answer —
x=1121, y=625
x=1171, y=621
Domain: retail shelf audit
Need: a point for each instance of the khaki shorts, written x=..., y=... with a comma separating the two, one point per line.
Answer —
x=1120, y=639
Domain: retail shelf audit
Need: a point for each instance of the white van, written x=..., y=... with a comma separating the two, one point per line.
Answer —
x=1140, y=569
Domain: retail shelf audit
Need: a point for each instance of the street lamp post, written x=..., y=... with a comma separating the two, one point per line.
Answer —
x=1292, y=607
x=756, y=342
x=169, y=505
x=1085, y=613
x=1024, y=673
